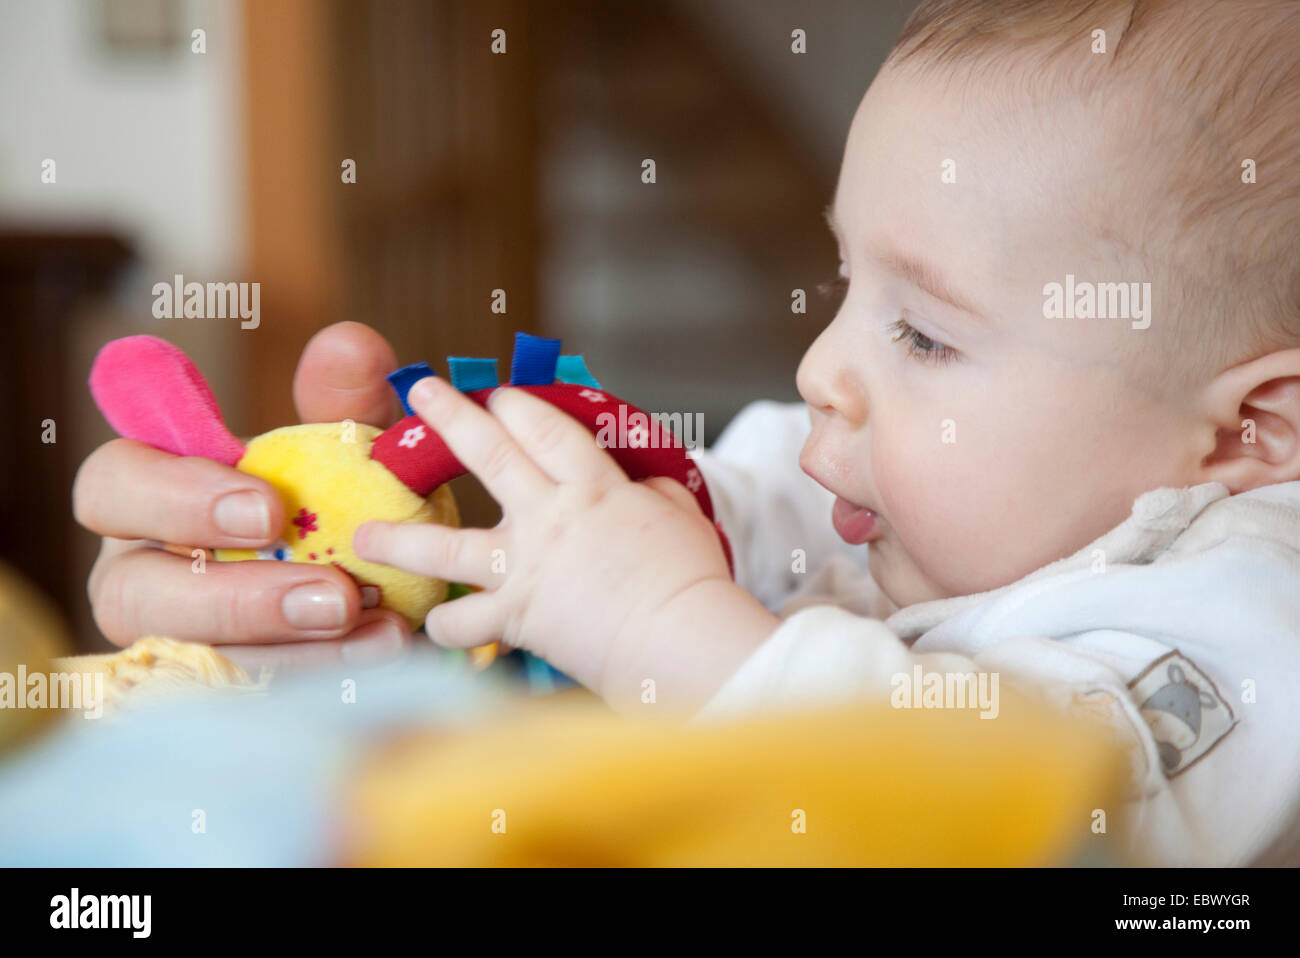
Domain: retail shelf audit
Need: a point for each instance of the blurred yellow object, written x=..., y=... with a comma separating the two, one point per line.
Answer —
x=33, y=637
x=32, y=634
x=484, y=655
x=572, y=786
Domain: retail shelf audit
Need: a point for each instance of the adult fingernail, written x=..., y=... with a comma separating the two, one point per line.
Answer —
x=243, y=514
x=316, y=605
x=383, y=643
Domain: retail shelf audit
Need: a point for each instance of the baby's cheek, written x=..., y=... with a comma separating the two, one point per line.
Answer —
x=929, y=496
x=959, y=503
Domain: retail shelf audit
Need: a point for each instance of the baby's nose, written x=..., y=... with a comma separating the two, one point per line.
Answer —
x=828, y=383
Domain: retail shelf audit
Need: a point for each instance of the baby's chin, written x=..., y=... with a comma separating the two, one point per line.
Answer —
x=898, y=577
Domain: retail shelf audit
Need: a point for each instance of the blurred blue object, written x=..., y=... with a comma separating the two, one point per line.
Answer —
x=544, y=678
x=403, y=379
x=266, y=771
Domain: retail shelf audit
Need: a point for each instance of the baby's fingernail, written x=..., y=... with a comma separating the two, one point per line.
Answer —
x=243, y=514
x=383, y=642
x=422, y=391
x=316, y=605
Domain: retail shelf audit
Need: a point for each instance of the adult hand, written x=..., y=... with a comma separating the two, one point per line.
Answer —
x=260, y=613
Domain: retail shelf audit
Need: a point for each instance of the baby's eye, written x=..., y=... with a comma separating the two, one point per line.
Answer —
x=919, y=345
x=279, y=549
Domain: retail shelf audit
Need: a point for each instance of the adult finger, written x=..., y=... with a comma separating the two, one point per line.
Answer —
x=341, y=376
x=480, y=442
x=151, y=592
x=128, y=490
x=380, y=637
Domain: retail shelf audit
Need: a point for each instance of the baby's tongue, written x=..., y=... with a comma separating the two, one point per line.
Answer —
x=854, y=523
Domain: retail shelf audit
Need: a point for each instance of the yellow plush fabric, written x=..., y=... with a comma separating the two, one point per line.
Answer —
x=330, y=485
x=855, y=785
x=158, y=666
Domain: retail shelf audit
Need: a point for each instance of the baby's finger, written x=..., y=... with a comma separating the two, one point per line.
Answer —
x=467, y=622
x=380, y=639
x=152, y=592
x=554, y=440
x=128, y=490
x=440, y=552
x=480, y=442
x=670, y=488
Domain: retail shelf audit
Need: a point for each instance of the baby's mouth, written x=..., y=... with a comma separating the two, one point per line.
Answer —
x=855, y=524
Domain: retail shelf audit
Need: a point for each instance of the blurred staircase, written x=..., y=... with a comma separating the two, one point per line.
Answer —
x=680, y=290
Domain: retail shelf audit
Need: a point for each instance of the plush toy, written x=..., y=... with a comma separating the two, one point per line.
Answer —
x=334, y=476
x=149, y=390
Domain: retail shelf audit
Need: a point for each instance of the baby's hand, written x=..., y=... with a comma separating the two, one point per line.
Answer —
x=616, y=583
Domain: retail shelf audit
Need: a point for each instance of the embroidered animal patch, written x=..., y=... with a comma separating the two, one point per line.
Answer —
x=1185, y=712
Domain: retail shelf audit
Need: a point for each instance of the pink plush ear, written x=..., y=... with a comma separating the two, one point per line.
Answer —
x=149, y=390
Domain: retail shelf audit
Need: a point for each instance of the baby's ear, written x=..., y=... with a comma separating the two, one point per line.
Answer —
x=149, y=390
x=1256, y=412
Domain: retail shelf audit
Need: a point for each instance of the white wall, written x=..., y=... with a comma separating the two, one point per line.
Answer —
x=149, y=145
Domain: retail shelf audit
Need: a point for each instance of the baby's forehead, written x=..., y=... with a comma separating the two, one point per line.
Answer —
x=1001, y=173
x=1045, y=134
x=1006, y=192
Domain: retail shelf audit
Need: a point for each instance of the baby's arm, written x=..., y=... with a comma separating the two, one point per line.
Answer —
x=622, y=585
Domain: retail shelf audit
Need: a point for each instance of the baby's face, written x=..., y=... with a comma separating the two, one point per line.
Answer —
x=986, y=439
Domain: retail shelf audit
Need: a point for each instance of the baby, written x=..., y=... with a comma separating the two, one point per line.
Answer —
x=1055, y=427
x=1059, y=406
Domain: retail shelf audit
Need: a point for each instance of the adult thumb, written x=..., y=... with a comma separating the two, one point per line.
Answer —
x=341, y=376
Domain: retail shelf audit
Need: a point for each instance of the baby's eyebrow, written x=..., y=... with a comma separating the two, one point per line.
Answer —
x=924, y=277
x=916, y=271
